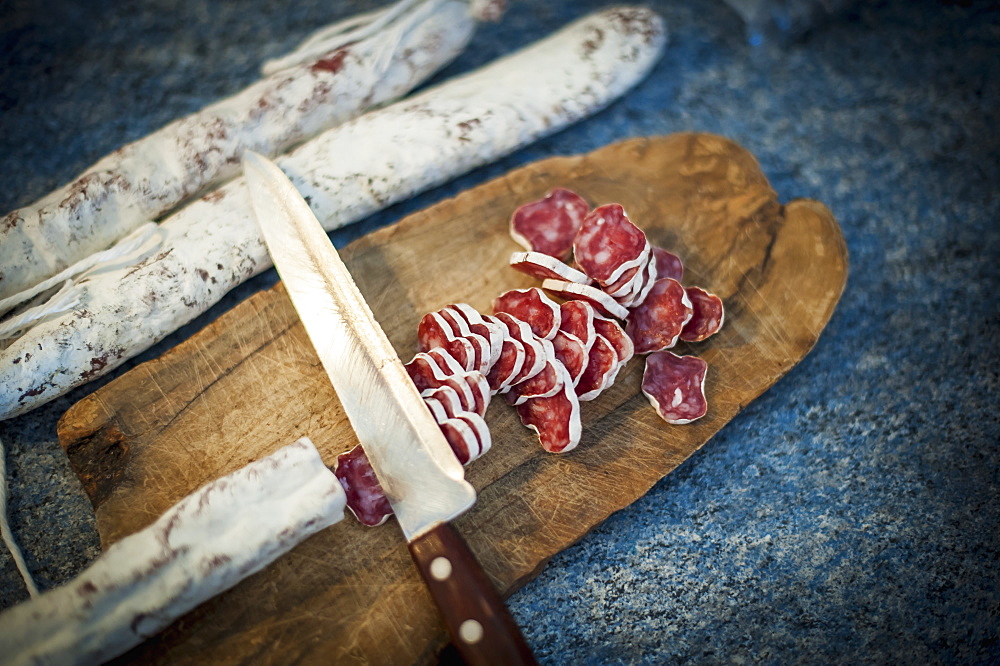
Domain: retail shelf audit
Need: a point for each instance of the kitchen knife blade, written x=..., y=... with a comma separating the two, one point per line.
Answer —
x=421, y=477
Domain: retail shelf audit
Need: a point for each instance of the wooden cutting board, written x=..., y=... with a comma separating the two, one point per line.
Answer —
x=250, y=383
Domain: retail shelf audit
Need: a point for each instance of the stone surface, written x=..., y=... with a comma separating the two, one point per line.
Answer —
x=849, y=514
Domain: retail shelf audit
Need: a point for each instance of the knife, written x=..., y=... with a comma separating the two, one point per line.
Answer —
x=421, y=477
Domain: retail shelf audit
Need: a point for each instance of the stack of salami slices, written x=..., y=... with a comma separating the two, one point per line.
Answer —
x=619, y=297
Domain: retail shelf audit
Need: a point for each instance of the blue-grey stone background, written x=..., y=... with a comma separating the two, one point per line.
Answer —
x=850, y=514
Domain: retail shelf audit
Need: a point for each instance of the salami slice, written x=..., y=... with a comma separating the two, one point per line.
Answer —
x=542, y=266
x=479, y=388
x=555, y=418
x=534, y=351
x=447, y=397
x=572, y=353
x=546, y=383
x=675, y=386
x=602, y=366
x=427, y=377
x=668, y=264
x=461, y=438
x=448, y=364
x=597, y=298
x=481, y=431
x=434, y=331
x=444, y=404
x=488, y=329
x=615, y=334
x=707, y=315
x=482, y=350
x=624, y=285
x=577, y=319
x=644, y=286
x=365, y=497
x=507, y=367
x=549, y=225
x=532, y=307
x=657, y=323
x=425, y=371
x=606, y=242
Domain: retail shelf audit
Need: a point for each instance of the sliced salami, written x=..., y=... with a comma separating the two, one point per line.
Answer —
x=577, y=319
x=447, y=397
x=572, y=353
x=428, y=381
x=555, y=418
x=657, y=323
x=549, y=225
x=668, y=264
x=644, y=286
x=542, y=266
x=534, y=350
x=675, y=386
x=624, y=285
x=479, y=388
x=425, y=371
x=615, y=334
x=489, y=329
x=449, y=320
x=445, y=361
x=706, y=317
x=532, y=307
x=434, y=331
x=481, y=431
x=577, y=292
x=602, y=367
x=507, y=367
x=461, y=438
x=545, y=383
x=607, y=242
x=365, y=497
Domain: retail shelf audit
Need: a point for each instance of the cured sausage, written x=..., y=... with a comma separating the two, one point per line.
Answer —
x=534, y=351
x=461, y=438
x=642, y=286
x=657, y=323
x=675, y=386
x=555, y=418
x=545, y=383
x=507, y=367
x=150, y=578
x=706, y=317
x=668, y=264
x=213, y=244
x=549, y=225
x=144, y=179
x=597, y=298
x=532, y=307
x=602, y=367
x=608, y=244
x=365, y=497
x=543, y=266
x=435, y=331
x=571, y=352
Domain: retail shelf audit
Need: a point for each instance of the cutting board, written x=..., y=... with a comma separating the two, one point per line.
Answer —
x=250, y=383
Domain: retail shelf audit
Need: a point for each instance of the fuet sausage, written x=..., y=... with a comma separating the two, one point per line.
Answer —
x=144, y=179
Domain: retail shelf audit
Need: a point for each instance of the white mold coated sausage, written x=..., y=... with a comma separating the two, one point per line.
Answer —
x=147, y=580
x=213, y=244
x=144, y=179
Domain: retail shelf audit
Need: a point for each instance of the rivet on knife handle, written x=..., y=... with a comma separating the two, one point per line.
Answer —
x=479, y=623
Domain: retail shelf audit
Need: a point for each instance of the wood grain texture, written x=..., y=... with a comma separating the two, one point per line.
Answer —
x=250, y=382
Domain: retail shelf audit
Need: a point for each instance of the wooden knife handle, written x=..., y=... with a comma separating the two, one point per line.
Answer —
x=481, y=628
